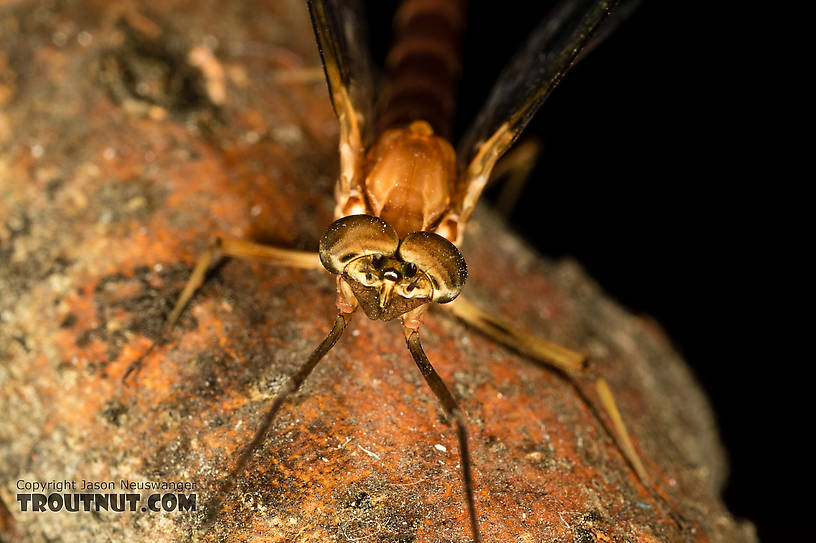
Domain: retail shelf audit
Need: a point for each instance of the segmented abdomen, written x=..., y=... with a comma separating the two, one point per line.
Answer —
x=423, y=65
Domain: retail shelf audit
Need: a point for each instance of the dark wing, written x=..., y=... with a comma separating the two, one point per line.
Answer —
x=621, y=13
x=342, y=39
x=553, y=48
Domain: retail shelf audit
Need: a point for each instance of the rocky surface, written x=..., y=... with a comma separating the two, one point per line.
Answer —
x=129, y=137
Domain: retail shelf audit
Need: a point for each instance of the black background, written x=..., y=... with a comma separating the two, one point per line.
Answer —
x=638, y=182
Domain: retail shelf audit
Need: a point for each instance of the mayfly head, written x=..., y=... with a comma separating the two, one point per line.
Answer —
x=389, y=276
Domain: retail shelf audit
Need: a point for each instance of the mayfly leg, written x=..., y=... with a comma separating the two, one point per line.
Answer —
x=513, y=170
x=625, y=443
x=454, y=412
x=551, y=353
x=291, y=386
x=575, y=366
x=239, y=249
x=227, y=247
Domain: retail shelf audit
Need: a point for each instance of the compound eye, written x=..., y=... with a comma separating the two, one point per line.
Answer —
x=355, y=236
x=439, y=260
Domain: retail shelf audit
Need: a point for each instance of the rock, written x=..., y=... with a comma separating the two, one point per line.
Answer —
x=118, y=163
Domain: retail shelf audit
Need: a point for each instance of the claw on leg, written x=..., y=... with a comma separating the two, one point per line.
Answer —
x=232, y=248
x=453, y=411
x=239, y=249
x=611, y=407
x=575, y=366
x=290, y=387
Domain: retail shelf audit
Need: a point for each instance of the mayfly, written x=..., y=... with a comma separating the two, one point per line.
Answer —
x=404, y=195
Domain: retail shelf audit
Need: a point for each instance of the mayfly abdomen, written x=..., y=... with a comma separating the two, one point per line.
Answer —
x=423, y=65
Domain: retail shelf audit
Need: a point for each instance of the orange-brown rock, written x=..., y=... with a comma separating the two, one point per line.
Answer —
x=121, y=154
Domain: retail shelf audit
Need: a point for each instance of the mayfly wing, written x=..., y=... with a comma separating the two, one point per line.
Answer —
x=621, y=13
x=552, y=49
x=342, y=39
x=573, y=28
